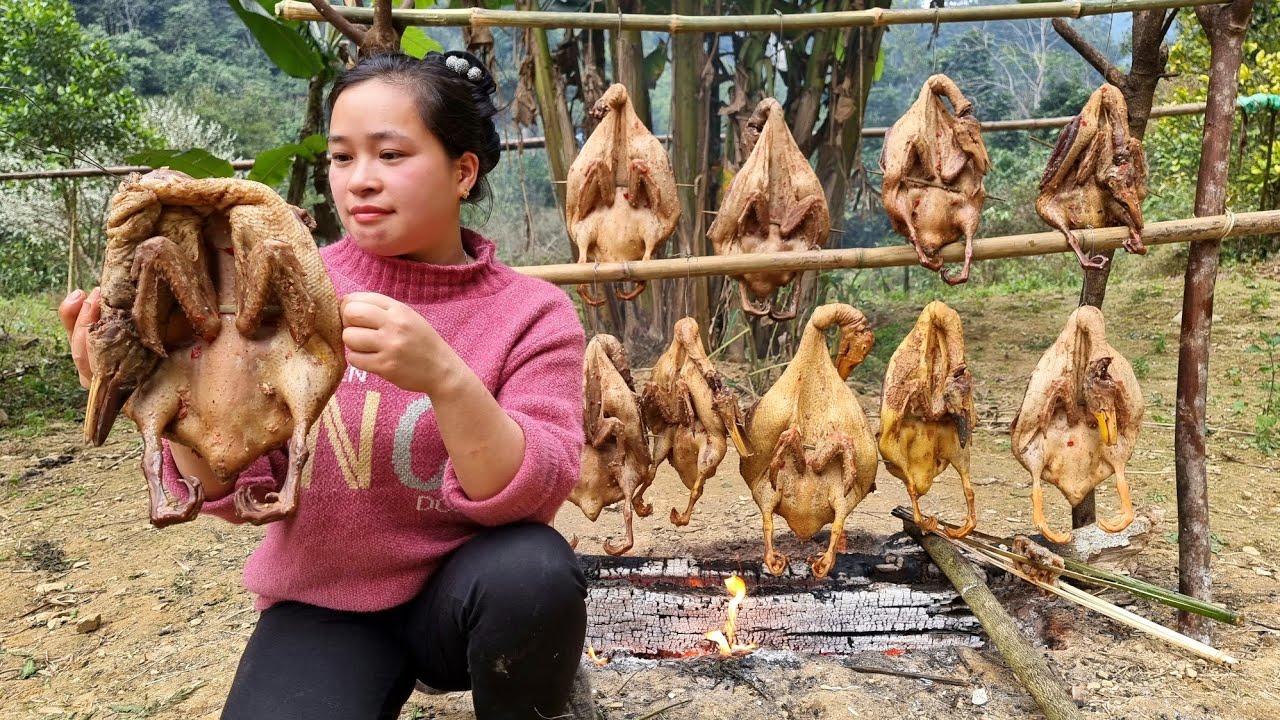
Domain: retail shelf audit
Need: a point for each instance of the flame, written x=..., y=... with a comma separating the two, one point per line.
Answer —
x=599, y=661
x=727, y=639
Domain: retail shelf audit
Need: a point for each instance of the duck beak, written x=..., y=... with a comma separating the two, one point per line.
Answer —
x=1107, y=426
x=962, y=427
x=105, y=401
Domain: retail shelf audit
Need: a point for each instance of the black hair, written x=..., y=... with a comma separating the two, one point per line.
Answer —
x=454, y=94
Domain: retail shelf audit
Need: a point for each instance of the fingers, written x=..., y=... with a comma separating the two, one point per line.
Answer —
x=70, y=308
x=361, y=339
x=361, y=314
x=370, y=298
x=87, y=314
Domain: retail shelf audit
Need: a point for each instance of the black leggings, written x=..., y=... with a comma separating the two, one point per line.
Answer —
x=504, y=616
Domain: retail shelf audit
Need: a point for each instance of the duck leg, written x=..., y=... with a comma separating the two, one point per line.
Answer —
x=1126, y=506
x=165, y=509
x=1037, y=513
x=971, y=512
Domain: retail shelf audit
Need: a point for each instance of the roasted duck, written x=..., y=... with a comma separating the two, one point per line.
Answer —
x=774, y=204
x=926, y=411
x=219, y=330
x=933, y=163
x=815, y=456
x=1079, y=420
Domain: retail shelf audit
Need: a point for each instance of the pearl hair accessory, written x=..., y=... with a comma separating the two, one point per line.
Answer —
x=462, y=67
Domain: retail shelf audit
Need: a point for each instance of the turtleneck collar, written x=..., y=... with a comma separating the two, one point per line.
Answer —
x=414, y=282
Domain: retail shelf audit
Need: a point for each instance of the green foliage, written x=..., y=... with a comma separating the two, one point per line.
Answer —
x=293, y=52
x=62, y=91
x=416, y=43
x=1173, y=144
x=1267, y=423
x=38, y=381
x=195, y=162
x=271, y=166
x=29, y=264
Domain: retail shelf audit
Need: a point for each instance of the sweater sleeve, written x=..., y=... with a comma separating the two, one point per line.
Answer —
x=542, y=392
x=267, y=472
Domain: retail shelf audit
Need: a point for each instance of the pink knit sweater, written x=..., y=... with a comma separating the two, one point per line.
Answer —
x=380, y=505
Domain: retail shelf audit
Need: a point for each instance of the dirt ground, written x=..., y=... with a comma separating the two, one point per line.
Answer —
x=75, y=544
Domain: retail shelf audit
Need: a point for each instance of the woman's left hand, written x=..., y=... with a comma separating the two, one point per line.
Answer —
x=391, y=340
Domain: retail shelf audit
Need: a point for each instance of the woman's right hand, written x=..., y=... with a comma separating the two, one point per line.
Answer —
x=77, y=312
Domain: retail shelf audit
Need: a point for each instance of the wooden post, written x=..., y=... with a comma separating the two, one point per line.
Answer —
x=1225, y=26
x=1025, y=661
x=556, y=127
x=72, y=203
x=688, y=104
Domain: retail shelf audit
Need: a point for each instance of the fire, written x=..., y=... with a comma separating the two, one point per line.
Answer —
x=727, y=640
x=591, y=653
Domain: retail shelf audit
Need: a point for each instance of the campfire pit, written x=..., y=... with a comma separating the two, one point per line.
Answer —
x=653, y=607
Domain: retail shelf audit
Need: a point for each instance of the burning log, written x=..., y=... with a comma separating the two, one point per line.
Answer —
x=676, y=607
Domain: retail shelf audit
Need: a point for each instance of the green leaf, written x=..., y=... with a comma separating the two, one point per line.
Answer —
x=840, y=52
x=195, y=162
x=415, y=42
x=28, y=669
x=270, y=166
x=879, y=65
x=315, y=145
x=654, y=63
x=291, y=52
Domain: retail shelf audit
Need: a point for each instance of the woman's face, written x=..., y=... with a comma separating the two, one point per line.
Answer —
x=396, y=189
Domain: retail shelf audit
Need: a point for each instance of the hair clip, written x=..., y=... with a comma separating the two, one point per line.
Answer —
x=457, y=64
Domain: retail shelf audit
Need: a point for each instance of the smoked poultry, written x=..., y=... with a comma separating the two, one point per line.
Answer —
x=926, y=411
x=616, y=465
x=690, y=413
x=1097, y=175
x=222, y=372
x=815, y=456
x=1079, y=420
x=933, y=164
x=621, y=202
x=774, y=204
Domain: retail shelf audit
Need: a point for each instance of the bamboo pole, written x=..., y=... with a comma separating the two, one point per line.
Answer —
x=1056, y=122
x=480, y=17
x=1025, y=661
x=531, y=143
x=1226, y=28
x=1160, y=233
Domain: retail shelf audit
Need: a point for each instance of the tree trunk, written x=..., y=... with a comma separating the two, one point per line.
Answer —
x=688, y=130
x=628, y=62
x=1225, y=25
x=554, y=111
x=311, y=120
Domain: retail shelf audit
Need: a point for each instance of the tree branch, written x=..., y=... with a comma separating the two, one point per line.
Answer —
x=1090, y=54
x=344, y=26
x=1168, y=22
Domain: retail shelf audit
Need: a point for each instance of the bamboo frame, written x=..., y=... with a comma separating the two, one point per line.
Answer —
x=480, y=17
x=1172, y=231
x=532, y=143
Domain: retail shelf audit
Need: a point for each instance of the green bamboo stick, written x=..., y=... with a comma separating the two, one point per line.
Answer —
x=1087, y=573
x=480, y=17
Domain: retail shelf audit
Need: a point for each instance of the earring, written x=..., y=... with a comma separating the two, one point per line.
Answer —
x=466, y=193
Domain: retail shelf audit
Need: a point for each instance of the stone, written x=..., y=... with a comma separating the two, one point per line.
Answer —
x=89, y=623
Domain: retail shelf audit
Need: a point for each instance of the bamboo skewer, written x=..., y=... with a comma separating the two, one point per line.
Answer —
x=1096, y=576
x=1160, y=233
x=878, y=17
x=1099, y=605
